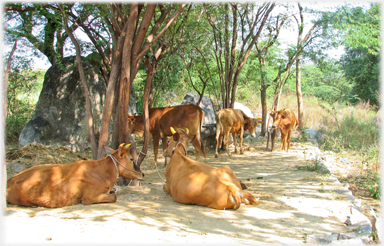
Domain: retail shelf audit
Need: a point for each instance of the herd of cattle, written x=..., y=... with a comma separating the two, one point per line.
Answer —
x=187, y=181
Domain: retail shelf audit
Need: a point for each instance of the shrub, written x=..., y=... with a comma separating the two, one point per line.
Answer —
x=23, y=91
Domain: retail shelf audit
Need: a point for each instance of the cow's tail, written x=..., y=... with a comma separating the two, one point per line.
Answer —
x=236, y=197
x=249, y=199
x=201, y=136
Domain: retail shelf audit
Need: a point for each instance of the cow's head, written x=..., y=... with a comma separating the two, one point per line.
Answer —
x=278, y=116
x=179, y=137
x=131, y=122
x=124, y=162
x=251, y=124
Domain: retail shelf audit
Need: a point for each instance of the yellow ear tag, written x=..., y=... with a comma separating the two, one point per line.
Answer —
x=127, y=146
x=172, y=130
x=186, y=130
x=121, y=145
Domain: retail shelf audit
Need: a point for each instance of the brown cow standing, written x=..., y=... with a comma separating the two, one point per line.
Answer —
x=285, y=120
x=60, y=185
x=193, y=182
x=161, y=119
x=233, y=121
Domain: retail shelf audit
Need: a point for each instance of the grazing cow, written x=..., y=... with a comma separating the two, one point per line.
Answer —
x=236, y=122
x=193, y=182
x=60, y=185
x=161, y=119
x=285, y=120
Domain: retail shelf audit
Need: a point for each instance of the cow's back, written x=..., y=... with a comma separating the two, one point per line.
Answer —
x=50, y=185
x=229, y=120
x=181, y=116
x=211, y=185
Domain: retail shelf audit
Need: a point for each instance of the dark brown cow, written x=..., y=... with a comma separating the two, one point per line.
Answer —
x=233, y=121
x=60, y=185
x=285, y=120
x=161, y=119
x=193, y=182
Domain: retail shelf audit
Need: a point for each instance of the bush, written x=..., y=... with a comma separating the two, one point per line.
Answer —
x=23, y=92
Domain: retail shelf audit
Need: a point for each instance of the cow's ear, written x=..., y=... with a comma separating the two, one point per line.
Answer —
x=108, y=150
x=176, y=136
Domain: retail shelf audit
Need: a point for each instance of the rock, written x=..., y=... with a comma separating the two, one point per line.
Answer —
x=206, y=105
x=33, y=130
x=15, y=167
x=60, y=115
x=245, y=109
x=313, y=239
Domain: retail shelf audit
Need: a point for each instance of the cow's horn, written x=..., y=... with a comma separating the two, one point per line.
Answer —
x=127, y=146
x=172, y=130
x=186, y=130
x=121, y=145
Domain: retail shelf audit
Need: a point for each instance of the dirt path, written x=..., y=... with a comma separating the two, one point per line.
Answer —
x=293, y=204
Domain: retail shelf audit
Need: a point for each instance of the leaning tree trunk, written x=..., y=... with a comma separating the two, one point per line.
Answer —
x=88, y=104
x=151, y=70
x=299, y=93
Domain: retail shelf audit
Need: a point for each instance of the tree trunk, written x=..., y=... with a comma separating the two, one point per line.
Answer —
x=300, y=106
x=264, y=109
x=88, y=104
x=151, y=70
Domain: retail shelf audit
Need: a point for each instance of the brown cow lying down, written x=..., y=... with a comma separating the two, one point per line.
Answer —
x=193, y=182
x=233, y=121
x=161, y=119
x=285, y=120
x=60, y=185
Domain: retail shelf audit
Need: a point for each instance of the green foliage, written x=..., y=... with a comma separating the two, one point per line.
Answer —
x=23, y=91
x=362, y=40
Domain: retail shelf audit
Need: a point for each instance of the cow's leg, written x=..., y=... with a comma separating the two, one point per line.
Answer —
x=101, y=198
x=165, y=145
x=273, y=136
x=218, y=141
x=235, y=142
x=156, y=140
x=196, y=143
x=241, y=139
x=226, y=140
x=288, y=140
x=283, y=140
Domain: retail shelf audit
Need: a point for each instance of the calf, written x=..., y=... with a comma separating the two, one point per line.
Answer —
x=193, y=182
x=285, y=120
x=60, y=185
x=236, y=122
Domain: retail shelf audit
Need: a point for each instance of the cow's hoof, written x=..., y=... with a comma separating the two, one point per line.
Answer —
x=216, y=155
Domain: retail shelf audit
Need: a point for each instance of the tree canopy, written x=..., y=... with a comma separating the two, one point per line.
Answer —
x=216, y=49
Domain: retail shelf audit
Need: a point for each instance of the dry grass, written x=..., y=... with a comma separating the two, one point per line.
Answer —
x=31, y=155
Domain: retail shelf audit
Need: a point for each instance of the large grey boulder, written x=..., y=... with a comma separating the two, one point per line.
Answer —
x=60, y=115
x=245, y=109
x=206, y=105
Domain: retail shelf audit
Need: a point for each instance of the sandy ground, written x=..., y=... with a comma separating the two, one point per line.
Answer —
x=293, y=204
